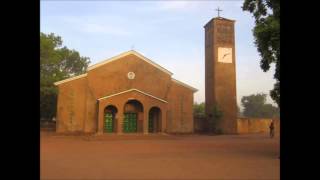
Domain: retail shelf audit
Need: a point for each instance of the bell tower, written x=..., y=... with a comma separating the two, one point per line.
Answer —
x=220, y=72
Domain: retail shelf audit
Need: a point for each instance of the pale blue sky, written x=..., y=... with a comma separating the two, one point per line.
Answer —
x=169, y=33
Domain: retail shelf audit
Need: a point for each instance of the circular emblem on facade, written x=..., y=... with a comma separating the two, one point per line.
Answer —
x=131, y=75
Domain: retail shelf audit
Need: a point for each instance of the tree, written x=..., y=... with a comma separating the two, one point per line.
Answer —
x=270, y=111
x=56, y=63
x=199, y=110
x=255, y=106
x=267, y=37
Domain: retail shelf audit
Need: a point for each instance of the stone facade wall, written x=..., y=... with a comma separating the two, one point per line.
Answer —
x=79, y=107
x=256, y=125
x=199, y=124
x=245, y=125
x=180, y=110
x=71, y=106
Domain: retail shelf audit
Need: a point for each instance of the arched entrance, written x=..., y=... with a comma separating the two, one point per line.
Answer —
x=133, y=116
x=109, y=119
x=154, y=120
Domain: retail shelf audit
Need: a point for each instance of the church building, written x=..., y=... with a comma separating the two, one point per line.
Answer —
x=128, y=93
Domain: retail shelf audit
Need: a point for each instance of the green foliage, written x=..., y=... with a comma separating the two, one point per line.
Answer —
x=214, y=117
x=199, y=110
x=48, y=99
x=255, y=106
x=267, y=36
x=215, y=120
x=56, y=63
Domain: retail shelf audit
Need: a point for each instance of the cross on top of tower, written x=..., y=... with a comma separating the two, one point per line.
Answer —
x=218, y=11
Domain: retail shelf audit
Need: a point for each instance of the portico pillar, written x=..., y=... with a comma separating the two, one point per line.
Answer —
x=163, y=120
x=146, y=120
x=100, y=119
x=119, y=117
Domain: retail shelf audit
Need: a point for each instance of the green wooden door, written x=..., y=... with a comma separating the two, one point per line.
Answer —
x=126, y=123
x=130, y=122
x=151, y=128
x=108, y=122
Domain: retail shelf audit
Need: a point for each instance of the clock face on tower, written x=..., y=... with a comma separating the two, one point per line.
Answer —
x=224, y=55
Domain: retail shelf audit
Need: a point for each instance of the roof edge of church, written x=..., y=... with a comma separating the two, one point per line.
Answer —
x=125, y=54
x=113, y=59
x=184, y=84
x=132, y=89
x=70, y=79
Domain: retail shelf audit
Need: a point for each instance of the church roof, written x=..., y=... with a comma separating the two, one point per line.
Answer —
x=185, y=85
x=222, y=18
x=128, y=53
x=117, y=58
x=70, y=79
x=219, y=18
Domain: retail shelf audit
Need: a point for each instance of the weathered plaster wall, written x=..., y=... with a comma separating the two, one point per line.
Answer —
x=256, y=125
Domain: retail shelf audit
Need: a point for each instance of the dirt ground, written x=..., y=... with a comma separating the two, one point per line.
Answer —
x=159, y=157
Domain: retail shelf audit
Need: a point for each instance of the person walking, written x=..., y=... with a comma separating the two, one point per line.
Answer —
x=271, y=129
